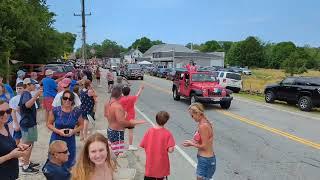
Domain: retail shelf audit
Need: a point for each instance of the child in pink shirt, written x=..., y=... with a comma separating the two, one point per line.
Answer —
x=128, y=103
x=157, y=142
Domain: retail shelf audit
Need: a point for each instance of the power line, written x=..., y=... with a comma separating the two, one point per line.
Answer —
x=83, y=15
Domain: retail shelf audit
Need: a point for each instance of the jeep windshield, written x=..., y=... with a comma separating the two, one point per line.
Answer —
x=203, y=78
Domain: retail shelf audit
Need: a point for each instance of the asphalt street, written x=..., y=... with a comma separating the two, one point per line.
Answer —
x=252, y=140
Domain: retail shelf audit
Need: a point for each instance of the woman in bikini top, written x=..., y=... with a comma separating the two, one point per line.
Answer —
x=204, y=136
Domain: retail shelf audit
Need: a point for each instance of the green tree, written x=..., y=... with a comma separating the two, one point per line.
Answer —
x=279, y=52
x=295, y=63
x=210, y=46
x=246, y=53
x=143, y=44
x=225, y=45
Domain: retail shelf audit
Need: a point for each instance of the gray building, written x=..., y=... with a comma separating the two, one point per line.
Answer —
x=174, y=55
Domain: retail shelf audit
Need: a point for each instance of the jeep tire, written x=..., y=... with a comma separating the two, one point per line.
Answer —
x=192, y=98
x=305, y=103
x=269, y=97
x=236, y=90
x=175, y=94
x=225, y=104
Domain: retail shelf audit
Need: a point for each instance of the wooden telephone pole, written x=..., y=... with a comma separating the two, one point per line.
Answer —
x=83, y=15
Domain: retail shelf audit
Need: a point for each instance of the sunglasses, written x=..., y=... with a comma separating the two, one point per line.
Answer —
x=67, y=98
x=63, y=152
x=8, y=111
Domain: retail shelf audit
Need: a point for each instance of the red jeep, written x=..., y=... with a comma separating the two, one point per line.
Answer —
x=200, y=87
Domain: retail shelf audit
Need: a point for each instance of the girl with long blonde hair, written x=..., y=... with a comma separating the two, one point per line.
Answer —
x=94, y=162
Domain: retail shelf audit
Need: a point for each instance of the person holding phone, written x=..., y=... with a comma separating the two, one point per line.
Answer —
x=9, y=151
x=62, y=122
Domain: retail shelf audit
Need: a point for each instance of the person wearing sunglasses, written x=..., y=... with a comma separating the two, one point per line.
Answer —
x=58, y=155
x=65, y=85
x=28, y=122
x=9, y=151
x=65, y=121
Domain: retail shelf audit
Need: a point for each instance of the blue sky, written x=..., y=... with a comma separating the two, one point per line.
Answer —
x=197, y=21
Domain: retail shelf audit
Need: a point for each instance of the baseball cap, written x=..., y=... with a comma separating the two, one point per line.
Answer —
x=65, y=82
x=21, y=73
x=28, y=81
x=49, y=72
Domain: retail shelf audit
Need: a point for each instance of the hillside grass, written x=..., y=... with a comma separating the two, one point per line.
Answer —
x=262, y=77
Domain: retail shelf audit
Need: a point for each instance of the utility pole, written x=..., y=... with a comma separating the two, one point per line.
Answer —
x=83, y=15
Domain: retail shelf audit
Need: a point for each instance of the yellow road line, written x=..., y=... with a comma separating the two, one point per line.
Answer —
x=254, y=123
x=270, y=129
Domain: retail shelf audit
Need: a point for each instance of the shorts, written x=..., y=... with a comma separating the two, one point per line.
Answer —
x=17, y=135
x=29, y=135
x=206, y=167
x=153, y=178
x=98, y=77
x=47, y=103
x=116, y=139
x=110, y=82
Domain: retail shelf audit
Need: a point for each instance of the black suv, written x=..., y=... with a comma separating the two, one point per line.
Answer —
x=304, y=91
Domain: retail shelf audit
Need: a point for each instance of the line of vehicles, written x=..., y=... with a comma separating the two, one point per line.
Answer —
x=215, y=86
x=208, y=84
x=225, y=77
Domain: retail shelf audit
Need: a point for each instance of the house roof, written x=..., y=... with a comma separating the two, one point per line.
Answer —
x=166, y=48
x=130, y=52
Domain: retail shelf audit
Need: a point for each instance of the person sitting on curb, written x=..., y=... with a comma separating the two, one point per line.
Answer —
x=58, y=155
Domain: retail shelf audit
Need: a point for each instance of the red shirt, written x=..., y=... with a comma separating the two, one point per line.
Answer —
x=156, y=142
x=128, y=103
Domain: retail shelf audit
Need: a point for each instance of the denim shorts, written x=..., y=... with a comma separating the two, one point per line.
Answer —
x=17, y=135
x=206, y=167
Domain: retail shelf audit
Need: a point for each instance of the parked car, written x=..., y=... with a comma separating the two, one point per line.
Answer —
x=171, y=74
x=246, y=71
x=38, y=68
x=230, y=80
x=59, y=69
x=200, y=87
x=162, y=72
x=133, y=71
x=304, y=91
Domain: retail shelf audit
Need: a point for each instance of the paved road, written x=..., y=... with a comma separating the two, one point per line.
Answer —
x=252, y=141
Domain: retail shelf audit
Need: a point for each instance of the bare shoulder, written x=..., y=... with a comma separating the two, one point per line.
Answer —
x=205, y=126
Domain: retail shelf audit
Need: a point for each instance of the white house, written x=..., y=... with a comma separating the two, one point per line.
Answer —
x=131, y=56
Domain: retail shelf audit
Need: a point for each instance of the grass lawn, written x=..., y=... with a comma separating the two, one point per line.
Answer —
x=262, y=77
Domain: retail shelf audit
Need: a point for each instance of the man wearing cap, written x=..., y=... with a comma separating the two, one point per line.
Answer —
x=28, y=122
x=21, y=74
x=65, y=85
x=49, y=91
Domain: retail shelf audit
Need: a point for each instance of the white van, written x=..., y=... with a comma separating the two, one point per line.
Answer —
x=230, y=80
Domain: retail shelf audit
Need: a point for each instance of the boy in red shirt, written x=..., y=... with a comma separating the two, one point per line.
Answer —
x=128, y=103
x=157, y=142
